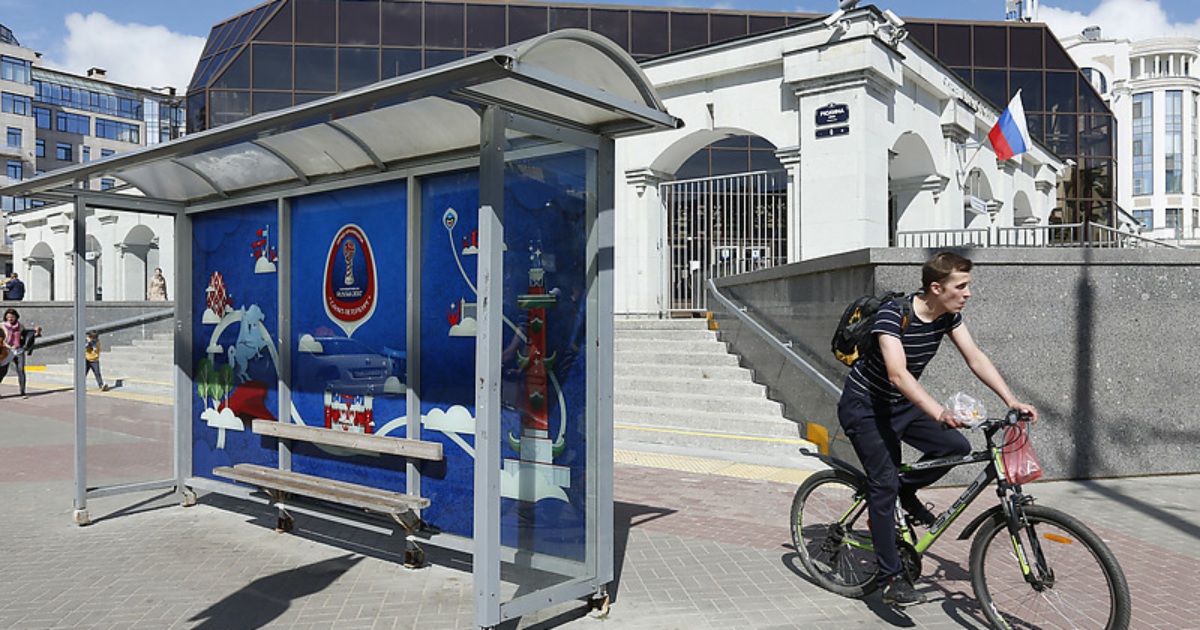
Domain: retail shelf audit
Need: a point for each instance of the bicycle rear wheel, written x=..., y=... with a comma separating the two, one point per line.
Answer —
x=1079, y=585
x=829, y=529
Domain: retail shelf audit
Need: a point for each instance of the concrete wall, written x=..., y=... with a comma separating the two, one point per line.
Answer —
x=57, y=318
x=1103, y=342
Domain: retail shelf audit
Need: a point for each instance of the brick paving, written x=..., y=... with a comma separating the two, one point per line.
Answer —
x=693, y=550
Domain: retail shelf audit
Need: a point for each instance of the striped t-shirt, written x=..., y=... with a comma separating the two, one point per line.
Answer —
x=921, y=339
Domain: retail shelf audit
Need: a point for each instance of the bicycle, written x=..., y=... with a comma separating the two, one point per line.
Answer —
x=1031, y=566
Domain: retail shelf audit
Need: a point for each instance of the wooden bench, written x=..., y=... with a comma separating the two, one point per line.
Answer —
x=279, y=485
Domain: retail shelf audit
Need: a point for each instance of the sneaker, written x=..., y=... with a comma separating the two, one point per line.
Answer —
x=899, y=591
x=919, y=514
x=104, y=387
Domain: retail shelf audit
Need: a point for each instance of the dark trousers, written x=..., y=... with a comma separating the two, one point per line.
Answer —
x=876, y=429
x=18, y=364
x=94, y=368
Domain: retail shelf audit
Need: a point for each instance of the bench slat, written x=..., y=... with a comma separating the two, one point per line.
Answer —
x=364, y=497
x=404, y=447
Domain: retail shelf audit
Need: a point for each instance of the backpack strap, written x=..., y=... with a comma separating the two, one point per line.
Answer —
x=904, y=303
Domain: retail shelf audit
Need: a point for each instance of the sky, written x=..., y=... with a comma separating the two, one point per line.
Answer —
x=156, y=43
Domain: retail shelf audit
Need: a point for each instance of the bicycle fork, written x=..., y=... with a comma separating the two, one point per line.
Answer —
x=1037, y=573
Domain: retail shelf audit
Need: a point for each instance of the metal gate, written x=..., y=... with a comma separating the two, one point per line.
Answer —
x=721, y=226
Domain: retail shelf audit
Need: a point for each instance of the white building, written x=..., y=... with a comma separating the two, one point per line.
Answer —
x=1153, y=89
x=876, y=136
x=55, y=119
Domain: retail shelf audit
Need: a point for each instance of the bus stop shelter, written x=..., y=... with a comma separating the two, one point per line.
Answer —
x=427, y=258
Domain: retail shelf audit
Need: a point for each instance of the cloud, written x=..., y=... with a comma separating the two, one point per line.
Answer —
x=132, y=54
x=1118, y=19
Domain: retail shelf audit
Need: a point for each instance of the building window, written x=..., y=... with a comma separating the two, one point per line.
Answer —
x=14, y=137
x=1096, y=78
x=41, y=147
x=107, y=182
x=1145, y=217
x=1143, y=143
x=63, y=152
x=14, y=104
x=1175, y=220
x=1195, y=219
x=120, y=103
x=1173, y=138
x=73, y=123
x=87, y=154
x=15, y=170
x=13, y=69
x=1196, y=143
x=106, y=152
x=41, y=116
x=116, y=130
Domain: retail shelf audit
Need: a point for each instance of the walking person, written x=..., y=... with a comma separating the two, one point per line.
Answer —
x=18, y=341
x=91, y=354
x=883, y=405
x=157, y=292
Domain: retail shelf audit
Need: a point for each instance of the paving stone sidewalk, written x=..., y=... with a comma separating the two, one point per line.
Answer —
x=694, y=550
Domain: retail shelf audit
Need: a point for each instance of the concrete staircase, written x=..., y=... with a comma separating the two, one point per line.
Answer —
x=145, y=367
x=678, y=390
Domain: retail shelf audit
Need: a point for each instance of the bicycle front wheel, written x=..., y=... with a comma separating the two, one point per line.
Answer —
x=1077, y=582
x=829, y=529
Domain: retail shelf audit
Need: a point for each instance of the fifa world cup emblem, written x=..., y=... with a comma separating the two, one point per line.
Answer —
x=348, y=248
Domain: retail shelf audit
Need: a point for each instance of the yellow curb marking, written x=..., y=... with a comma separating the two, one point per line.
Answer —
x=685, y=463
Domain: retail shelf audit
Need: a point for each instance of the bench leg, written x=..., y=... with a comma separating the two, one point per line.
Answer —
x=286, y=523
x=414, y=555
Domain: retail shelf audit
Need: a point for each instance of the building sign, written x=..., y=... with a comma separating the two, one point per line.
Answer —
x=833, y=114
x=829, y=132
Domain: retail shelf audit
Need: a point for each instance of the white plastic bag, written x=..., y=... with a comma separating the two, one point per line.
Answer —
x=966, y=410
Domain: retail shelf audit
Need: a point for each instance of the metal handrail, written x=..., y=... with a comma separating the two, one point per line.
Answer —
x=1057, y=235
x=783, y=348
x=152, y=316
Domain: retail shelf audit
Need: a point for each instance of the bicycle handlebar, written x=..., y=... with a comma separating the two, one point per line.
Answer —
x=1011, y=418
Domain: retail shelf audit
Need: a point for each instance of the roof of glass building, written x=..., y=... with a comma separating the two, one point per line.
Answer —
x=571, y=80
x=7, y=37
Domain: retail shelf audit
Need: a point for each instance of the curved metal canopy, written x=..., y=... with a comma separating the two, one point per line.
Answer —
x=571, y=78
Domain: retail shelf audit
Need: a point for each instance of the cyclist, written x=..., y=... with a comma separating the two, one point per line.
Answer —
x=883, y=404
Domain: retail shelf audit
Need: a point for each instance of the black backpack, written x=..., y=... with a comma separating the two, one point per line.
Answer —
x=852, y=339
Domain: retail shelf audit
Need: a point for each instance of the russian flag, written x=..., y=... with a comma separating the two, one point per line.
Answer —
x=1010, y=136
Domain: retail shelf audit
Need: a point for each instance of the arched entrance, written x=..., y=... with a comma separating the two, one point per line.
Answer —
x=138, y=256
x=725, y=214
x=93, y=289
x=913, y=182
x=39, y=281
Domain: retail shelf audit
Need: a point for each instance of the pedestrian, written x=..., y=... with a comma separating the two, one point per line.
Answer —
x=158, y=287
x=14, y=289
x=91, y=354
x=18, y=342
x=883, y=404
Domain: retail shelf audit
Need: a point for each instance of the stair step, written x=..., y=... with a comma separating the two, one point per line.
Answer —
x=651, y=355
x=746, y=425
x=732, y=405
x=660, y=324
x=689, y=386
x=682, y=346
x=668, y=334
x=722, y=373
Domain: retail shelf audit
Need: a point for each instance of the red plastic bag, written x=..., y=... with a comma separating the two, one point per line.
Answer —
x=1020, y=462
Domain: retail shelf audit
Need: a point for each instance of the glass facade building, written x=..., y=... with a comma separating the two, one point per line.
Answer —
x=287, y=52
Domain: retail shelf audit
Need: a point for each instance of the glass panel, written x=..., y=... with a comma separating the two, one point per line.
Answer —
x=547, y=487
x=485, y=26
x=237, y=75
x=316, y=21
x=227, y=106
x=229, y=33
x=1060, y=91
x=357, y=67
x=526, y=22
x=991, y=47
x=1060, y=134
x=1025, y=47
x=272, y=67
x=688, y=30
x=954, y=44
x=129, y=435
x=561, y=17
x=236, y=368
x=1030, y=84
x=649, y=34
x=358, y=22
x=991, y=84
x=1095, y=137
x=316, y=68
x=439, y=57
x=613, y=24
x=762, y=24
x=271, y=101
x=279, y=28
x=1056, y=57
x=401, y=23
x=1089, y=101
x=923, y=34
x=348, y=340
x=729, y=27
x=444, y=25
x=399, y=62
x=213, y=35
x=197, y=112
